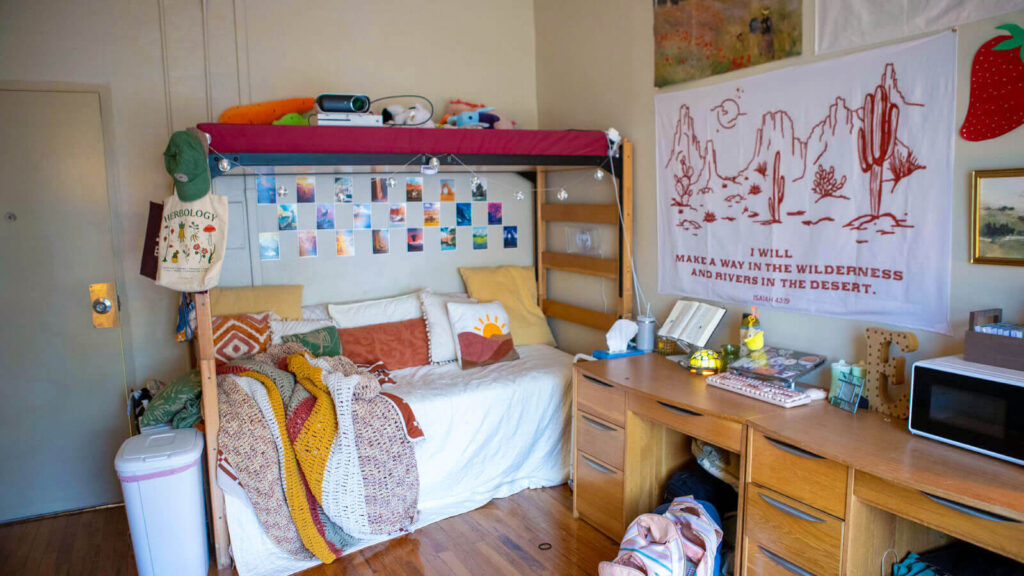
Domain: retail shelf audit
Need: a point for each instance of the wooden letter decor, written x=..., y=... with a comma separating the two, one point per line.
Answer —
x=884, y=372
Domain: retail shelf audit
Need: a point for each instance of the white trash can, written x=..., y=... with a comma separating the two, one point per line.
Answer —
x=161, y=475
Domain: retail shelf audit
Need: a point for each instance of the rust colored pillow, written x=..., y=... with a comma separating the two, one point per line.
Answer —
x=397, y=344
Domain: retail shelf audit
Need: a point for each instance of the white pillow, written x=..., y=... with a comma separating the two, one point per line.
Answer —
x=372, y=312
x=315, y=312
x=280, y=328
x=483, y=334
x=439, y=328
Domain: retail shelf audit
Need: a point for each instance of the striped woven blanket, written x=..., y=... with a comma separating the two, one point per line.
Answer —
x=346, y=465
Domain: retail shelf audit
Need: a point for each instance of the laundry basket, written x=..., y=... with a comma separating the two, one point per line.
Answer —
x=162, y=479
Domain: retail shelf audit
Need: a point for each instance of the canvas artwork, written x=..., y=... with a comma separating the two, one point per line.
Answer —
x=699, y=38
x=463, y=214
x=998, y=235
x=414, y=189
x=480, y=190
x=378, y=189
x=448, y=238
x=827, y=189
x=447, y=190
x=479, y=237
x=511, y=236
x=381, y=241
x=397, y=215
x=494, y=213
x=270, y=246
x=266, y=189
x=414, y=240
x=325, y=216
x=307, y=243
x=305, y=189
x=362, y=216
x=343, y=189
x=344, y=243
x=287, y=217
x=431, y=214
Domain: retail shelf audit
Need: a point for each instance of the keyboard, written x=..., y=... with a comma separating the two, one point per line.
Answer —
x=764, y=390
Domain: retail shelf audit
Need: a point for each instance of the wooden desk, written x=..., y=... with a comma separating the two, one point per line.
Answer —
x=632, y=424
x=822, y=491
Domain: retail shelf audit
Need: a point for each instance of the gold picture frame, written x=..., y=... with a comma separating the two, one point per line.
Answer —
x=997, y=217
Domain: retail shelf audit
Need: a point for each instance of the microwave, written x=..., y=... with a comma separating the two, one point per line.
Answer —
x=973, y=406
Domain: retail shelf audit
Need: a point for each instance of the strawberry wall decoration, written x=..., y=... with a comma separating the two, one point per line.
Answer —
x=997, y=87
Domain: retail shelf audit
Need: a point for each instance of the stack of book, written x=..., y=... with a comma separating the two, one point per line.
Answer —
x=345, y=119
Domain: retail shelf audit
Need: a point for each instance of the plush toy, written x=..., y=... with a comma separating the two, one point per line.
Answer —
x=459, y=108
x=265, y=112
x=415, y=115
x=291, y=119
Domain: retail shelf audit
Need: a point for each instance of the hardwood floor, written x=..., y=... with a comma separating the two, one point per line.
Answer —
x=501, y=538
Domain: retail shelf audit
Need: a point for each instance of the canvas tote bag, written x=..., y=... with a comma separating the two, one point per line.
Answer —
x=192, y=238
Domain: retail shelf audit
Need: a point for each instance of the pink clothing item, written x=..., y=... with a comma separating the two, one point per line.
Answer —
x=680, y=542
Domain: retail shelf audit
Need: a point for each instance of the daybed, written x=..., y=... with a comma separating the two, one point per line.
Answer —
x=490, y=431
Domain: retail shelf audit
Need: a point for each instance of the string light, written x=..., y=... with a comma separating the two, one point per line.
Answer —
x=392, y=182
x=475, y=180
x=519, y=195
x=435, y=163
x=562, y=195
x=224, y=164
x=282, y=191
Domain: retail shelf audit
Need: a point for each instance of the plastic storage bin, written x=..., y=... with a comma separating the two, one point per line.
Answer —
x=161, y=476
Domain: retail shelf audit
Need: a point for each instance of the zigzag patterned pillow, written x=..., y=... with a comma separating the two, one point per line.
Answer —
x=240, y=336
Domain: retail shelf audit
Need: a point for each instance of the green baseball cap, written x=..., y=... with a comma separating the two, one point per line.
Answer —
x=185, y=160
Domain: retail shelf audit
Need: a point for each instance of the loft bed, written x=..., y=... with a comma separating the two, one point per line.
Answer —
x=531, y=153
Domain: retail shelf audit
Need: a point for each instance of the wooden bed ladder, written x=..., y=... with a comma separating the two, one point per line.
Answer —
x=619, y=269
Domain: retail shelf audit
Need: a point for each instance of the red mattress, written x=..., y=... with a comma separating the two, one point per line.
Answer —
x=248, y=139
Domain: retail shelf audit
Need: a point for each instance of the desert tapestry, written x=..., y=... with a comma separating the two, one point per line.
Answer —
x=823, y=188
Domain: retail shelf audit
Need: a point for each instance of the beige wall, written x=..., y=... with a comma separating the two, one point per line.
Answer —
x=163, y=76
x=595, y=69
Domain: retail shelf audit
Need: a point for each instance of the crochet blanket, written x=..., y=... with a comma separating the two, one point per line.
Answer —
x=347, y=465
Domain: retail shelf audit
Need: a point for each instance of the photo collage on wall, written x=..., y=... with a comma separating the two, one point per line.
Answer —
x=350, y=205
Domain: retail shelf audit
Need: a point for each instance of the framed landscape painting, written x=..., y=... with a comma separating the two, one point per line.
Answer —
x=997, y=222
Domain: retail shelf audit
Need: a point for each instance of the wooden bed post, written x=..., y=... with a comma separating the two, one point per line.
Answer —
x=211, y=420
x=540, y=198
x=626, y=243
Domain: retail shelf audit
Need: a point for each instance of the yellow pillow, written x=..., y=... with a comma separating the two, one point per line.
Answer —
x=286, y=301
x=516, y=288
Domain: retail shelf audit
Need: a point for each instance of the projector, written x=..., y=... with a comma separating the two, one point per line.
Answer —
x=345, y=103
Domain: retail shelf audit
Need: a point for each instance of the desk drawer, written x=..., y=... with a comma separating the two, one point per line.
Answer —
x=763, y=561
x=799, y=474
x=601, y=399
x=1000, y=534
x=599, y=495
x=718, y=431
x=792, y=530
x=604, y=441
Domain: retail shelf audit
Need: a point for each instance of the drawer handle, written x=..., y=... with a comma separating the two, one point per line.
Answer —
x=786, y=564
x=598, y=425
x=679, y=410
x=969, y=510
x=598, y=382
x=597, y=466
x=789, y=509
x=786, y=447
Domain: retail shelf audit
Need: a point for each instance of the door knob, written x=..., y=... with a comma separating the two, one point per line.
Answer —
x=101, y=305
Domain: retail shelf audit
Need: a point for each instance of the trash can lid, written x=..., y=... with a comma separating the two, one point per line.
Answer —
x=159, y=451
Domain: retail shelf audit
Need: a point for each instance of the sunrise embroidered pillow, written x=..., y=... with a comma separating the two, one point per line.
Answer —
x=482, y=334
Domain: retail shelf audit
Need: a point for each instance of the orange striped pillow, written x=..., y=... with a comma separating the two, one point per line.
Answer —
x=240, y=336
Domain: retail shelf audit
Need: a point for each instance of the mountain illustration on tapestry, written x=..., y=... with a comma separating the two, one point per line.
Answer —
x=846, y=171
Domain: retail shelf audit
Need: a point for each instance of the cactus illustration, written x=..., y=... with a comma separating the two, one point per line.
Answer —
x=876, y=140
x=778, y=192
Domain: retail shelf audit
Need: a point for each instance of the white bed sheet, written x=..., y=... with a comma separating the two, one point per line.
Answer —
x=489, y=432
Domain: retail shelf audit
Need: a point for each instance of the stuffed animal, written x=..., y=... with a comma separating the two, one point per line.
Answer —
x=291, y=119
x=472, y=119
x=455, y=116
x=415, y=115
x=265, y=112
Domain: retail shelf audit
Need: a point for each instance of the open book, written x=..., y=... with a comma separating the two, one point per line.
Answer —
x=692, y=322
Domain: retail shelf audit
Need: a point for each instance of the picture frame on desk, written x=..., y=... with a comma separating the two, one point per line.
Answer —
x=997, y=217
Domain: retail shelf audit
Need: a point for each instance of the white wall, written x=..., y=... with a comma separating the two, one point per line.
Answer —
x=164, y=76
x=595, y=69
